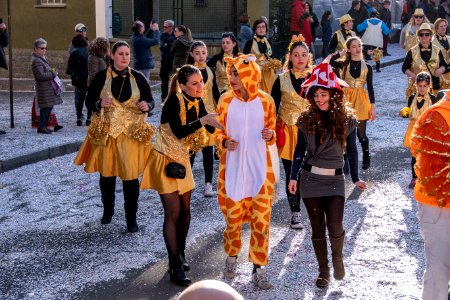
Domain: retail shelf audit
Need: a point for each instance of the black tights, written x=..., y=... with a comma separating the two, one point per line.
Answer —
x=413, y=162
x=325, y=212
x=294, y=200
x=361, y=131
x=208, y=162
x=177, y=218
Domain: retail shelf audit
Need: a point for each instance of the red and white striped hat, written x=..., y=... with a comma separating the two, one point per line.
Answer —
x=323, y=76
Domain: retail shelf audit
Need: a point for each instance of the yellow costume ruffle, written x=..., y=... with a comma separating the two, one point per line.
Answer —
x=155, y=177
x=407, y=139
x=122, y=156
x=287, y=151
x=360, y=102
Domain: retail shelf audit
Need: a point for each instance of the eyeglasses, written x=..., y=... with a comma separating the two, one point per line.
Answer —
x=261, y=27
x=42, y=48
x=424, y=34
x=167, y=26
x=81, y=30
x=418, y=17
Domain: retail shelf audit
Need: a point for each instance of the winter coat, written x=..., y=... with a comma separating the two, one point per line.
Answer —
x=143, y=58
x=78, y=66
x=245, y=33
x=95, y=64
x=298, y=7
x=180, y=51
x=43, y=77
x=3, y=43
x=358, y=16
x=386, y=16
x=165, y=45
x=327, y=32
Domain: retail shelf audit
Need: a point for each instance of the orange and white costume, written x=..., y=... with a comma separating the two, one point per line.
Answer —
x=246, y=177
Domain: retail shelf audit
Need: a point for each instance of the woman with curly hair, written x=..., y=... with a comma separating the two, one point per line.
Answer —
x=325, y=131
x=98, y=57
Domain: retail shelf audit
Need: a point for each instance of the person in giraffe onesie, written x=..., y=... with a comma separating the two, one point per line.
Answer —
x=246, y=177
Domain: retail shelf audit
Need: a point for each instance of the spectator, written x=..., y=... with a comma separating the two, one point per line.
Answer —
x=78, y=61
x=245, y=32
x=339, y=37
x=141, y=43
x=181, y=46
x=313, y=21
x=326, y=32
x=367, y=4
x=98, y=57
x=408, y=38
x=374, y=29
x=430, y=142
x=386, y=17
x=43, y=74
x=358, y=13
x=429, y=8
x=4, y=39
x=444, y=10
x=301, y=20
x=298, y=7
x=165, y=44
x=442, y=41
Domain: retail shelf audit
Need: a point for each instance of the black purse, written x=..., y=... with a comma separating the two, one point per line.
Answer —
x=175, y=170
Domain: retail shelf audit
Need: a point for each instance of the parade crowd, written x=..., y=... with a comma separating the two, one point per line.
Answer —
x=247, y=110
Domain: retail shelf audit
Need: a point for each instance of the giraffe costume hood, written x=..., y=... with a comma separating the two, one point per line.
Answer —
x=248, y=71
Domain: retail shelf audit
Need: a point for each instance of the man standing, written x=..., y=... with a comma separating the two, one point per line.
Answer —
x=430, y=142
x=386, y=17
x=3, y=43
x=165, y=44
x=141, y=43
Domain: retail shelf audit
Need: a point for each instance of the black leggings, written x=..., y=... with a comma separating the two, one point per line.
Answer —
x=361, y=131
x=177, y=218
x=294, y=200
x=208, y=162
x=413, y=162
x=325, y=212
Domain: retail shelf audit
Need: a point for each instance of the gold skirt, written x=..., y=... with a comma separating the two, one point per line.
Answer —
x=123, y=157
x=407, y=139
x=287, y=151
x=360, y=102
x=155, y=178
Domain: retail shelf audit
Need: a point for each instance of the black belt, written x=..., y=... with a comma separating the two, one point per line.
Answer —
x=308, y=168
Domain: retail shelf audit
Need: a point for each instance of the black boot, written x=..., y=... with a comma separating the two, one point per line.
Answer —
x=377, y=66
x=337, y=246
x=131, y=196
x=184, y=263
x=108, y=207
x=176, y=272
x=366, y=153
x=321, y=250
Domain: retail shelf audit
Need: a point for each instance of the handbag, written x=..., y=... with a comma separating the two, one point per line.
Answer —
x=57, y=85
x=175, y=170
x=281, y=137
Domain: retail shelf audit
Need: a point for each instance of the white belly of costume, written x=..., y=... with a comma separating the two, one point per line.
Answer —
x=245, y=170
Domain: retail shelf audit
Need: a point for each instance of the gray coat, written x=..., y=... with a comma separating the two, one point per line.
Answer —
x=43, y=76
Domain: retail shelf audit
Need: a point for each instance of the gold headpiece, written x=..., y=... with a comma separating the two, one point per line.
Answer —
x=296, y=39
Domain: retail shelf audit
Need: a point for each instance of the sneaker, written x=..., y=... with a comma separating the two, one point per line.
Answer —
x=208, y=190
x=412, y=184
x=296, y=221
x=229, y=271
x=259, y=278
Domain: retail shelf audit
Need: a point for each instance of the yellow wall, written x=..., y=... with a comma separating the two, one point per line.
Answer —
x=257, y=8
x=56, y=25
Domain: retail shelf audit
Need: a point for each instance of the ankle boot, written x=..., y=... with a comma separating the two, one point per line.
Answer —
x=337, y=245
x=131, y=196
x=320, y=248
x=176, y=272
x=366, y=153
x=184, y=263
x=108, y=207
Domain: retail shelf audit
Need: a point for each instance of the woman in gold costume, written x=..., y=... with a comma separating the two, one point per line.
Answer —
x=261, y=47
x=119, y=138
x=184, y=122
x=289, y=104
x=408, y=37
x=230, y=48
x=357, y=73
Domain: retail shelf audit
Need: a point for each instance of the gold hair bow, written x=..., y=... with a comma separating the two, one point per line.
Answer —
x=296, y=39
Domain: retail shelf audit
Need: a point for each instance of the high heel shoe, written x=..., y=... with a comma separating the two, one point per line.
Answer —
x=176, y=272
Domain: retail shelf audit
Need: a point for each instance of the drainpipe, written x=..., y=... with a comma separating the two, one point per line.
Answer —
x=10, y=67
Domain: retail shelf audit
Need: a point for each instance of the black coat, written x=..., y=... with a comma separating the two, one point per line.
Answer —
x=78, y=66
x=4, y=39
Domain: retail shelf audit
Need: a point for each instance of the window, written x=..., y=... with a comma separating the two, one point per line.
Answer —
x=50, y=3
x=201, y=3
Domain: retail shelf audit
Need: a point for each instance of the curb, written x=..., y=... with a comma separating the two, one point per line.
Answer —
x=34, y=157
x=389, y=63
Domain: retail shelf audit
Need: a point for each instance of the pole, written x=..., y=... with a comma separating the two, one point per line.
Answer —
x=10, y=67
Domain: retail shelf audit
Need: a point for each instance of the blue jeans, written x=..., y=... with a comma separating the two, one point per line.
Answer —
x=44, y=116
x=146, y=73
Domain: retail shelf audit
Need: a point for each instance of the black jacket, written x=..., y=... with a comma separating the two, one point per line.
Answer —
x=4, y=39
x=78, y=61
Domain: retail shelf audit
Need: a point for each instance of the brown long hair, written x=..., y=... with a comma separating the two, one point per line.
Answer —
x=340, y=114
x=348, y=55
x=181, y=76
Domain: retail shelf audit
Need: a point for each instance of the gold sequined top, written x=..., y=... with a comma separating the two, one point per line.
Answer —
x=221, y=76
x=419, y=65
x=359, y=82
x=410, y=38
x=208, y=97
x=123, y=117
x=341, y=40
x=291, y=103
x=446, y=54
x=415, y=112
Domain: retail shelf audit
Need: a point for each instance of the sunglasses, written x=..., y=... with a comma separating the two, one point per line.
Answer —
x=418, y=17
x=42, y=48
x=424, y=34
x=167, y=26
x=82, y=30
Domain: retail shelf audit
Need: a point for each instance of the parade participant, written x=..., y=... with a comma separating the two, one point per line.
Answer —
x=184, y=122
x=430, y=144
x=339, y=37
x=442, y=41
x=261, y=47
x=246, y=177
x=417, y=104
x=408, y=37
x=218, y=64
x=119, y=139
x=289, y=104
x=197, y=57
x=357, y=73
x=424, y=57
x=325, y=130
